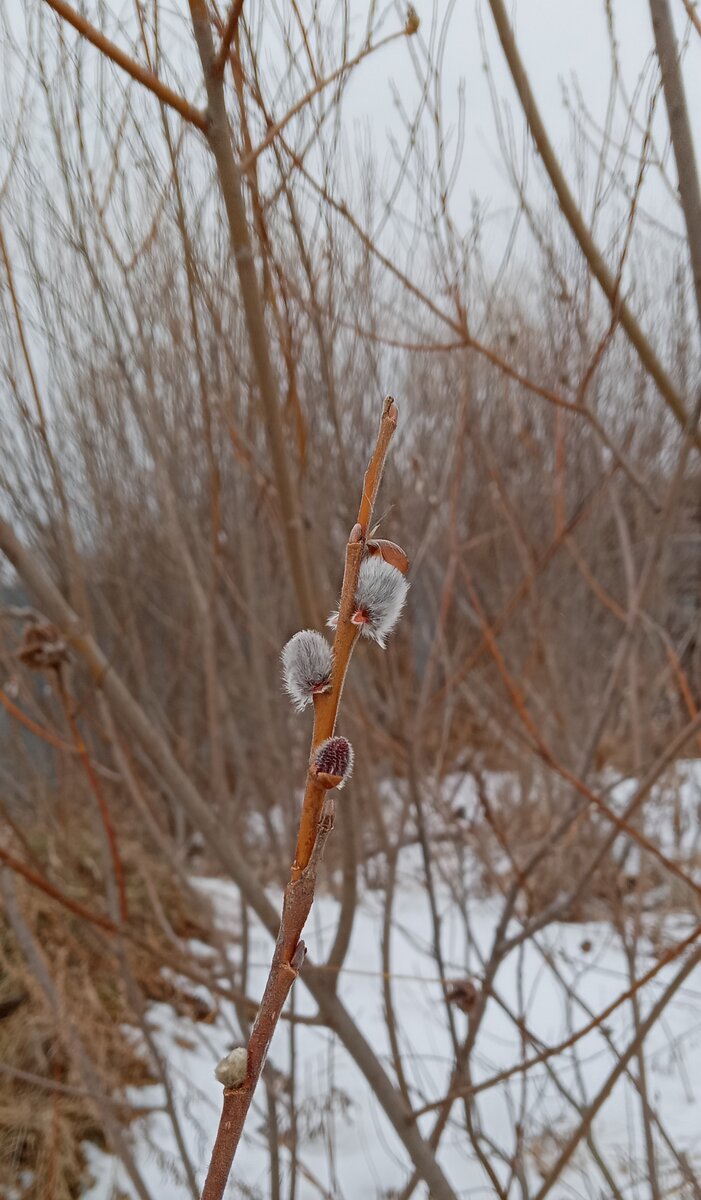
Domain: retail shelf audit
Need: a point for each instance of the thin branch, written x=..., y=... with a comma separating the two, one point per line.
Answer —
x=692, y=15
x=345, y=67
x=553, y=1051
x=543, y=750
x=69, y=1033
x=621, y=1065
x=96, y=789
x=230, y=183
x=682, y=138
x=228, y=36
x=141, y=74
x=66, y=1089
x=38, y=881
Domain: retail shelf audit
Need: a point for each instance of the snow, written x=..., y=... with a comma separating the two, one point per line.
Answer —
x=557, y=981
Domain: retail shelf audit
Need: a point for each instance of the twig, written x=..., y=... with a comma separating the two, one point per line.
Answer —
x=230, y=181
x=96, y=789
x=546, y=754
x=344, y=68
x=692, y=15
x=141, y=74
x=316, y=823
x=55, y=893
x=553, y=1051
x=621, y=1065
x=681, y=135
x=326, y=704
x=576, y=221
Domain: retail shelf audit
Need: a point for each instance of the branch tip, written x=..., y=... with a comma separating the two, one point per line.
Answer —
x=411, y=25
x=390, y=552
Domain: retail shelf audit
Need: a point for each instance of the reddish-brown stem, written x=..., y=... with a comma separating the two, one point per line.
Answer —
x=141, y=74
x=33, y=726
x=520, y=1068
x=287, y=959
x=96, y=788
x=546, y=754
x=316, y=822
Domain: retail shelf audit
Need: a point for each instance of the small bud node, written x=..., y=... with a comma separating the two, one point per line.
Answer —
x=43, y=648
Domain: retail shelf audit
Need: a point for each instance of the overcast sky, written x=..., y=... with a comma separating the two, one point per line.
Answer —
x=562, y=42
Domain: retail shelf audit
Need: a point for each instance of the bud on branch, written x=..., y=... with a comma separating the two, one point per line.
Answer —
x=233, y=1068
x=307, y=662
x=379, y=599
x=333, y=762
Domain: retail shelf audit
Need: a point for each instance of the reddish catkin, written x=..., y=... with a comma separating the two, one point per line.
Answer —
x=334, y=757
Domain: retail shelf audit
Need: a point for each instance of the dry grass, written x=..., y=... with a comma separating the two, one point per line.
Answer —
x=42, y=1127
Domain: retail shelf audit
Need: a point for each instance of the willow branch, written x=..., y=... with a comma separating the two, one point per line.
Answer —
x=576, y=222
x=141, y=74
x=680, y=132
x=326, y=704
x=228, y=36
x=225, y=850
x=316, y=823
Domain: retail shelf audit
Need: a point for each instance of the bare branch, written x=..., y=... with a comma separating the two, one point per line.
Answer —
x=232, y=24
x=141, y=74
x=576, y=221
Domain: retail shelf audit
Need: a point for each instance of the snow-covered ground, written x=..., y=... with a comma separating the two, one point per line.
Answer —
x=347, y=1147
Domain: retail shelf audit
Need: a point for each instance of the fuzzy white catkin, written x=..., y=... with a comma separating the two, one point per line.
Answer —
x=307, y=661
x=380, y=594
x=233, y=1068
